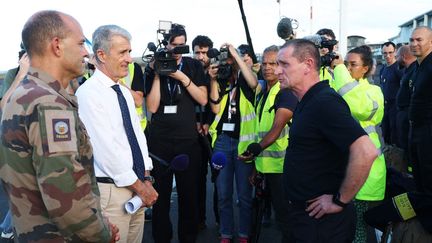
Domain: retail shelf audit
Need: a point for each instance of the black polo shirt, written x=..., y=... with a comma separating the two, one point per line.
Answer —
x=320, y=136
x=182, y=124
x=420, y=110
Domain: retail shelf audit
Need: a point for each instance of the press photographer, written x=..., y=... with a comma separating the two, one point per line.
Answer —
x=172, y=131
x=232, y=97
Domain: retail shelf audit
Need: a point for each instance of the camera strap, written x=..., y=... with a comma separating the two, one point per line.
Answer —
x=232, y=102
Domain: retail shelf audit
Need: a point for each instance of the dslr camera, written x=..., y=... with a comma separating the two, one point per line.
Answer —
x=219, y=58
x=164, y=61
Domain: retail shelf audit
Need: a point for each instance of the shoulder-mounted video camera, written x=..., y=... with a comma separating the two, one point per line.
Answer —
x=164, y=61
x=219, y=58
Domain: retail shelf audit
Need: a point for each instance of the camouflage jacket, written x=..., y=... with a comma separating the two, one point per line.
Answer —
x=46, y=165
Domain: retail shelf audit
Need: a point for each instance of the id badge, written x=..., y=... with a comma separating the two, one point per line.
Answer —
x=229, y=127
x=170, y=109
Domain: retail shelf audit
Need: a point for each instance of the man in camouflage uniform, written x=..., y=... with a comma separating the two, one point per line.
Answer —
x=46, y=162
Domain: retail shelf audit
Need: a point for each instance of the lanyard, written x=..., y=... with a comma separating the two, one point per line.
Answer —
x=176, y=85
x=232, y=103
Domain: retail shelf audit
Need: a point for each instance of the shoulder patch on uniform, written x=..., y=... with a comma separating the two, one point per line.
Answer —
x=59, y=130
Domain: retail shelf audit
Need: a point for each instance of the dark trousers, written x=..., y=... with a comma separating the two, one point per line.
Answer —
x=186, y=183
x=331, y=228
x=390, y=134
x=202, y=183
x=275, y=184
x=402, y=127
x=420, y=149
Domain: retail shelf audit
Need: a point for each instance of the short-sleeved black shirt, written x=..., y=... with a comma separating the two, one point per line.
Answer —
x=319, y=140
x=420, y=110
x=182, y=124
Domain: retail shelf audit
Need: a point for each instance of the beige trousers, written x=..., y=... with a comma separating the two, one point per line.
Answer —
x=113, y=199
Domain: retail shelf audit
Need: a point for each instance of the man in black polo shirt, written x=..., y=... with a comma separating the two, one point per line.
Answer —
x=329, y=155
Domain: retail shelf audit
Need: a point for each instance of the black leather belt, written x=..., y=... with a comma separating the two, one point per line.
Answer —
x=104, y=180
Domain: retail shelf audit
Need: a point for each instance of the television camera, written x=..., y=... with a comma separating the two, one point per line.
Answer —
x=164, y=60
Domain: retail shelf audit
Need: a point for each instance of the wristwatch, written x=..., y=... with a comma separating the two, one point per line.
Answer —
x=149, y=178
x=337, y=201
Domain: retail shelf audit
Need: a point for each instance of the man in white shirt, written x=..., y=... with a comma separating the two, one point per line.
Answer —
x=120, y=147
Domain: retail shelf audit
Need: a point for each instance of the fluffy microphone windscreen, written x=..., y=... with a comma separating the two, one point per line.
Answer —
x=180, y=162
x=284, y=28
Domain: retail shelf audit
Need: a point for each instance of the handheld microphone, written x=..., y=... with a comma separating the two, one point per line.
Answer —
x=218, y=160
x=284, y=28
x=316, y=39
x=178, y=163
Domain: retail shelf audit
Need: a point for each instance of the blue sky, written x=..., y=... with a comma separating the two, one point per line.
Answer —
x=219, y=19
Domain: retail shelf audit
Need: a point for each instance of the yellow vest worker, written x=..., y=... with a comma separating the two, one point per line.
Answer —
x=127, y=81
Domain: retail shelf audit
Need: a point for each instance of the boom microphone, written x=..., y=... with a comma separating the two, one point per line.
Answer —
x=285, y=29
x=316, y=39
x=218, y=160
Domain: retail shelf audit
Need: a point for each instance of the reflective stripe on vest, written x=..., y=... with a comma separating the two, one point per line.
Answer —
x=271, y=159
x=347, y=88
x=247, y=122
x=374, y=109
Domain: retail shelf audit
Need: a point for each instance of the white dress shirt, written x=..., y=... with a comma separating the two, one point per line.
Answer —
x=100, y=112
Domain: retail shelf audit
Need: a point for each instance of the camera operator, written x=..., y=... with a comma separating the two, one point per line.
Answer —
x=327, y=53
x=173, y=131
x=232, y=100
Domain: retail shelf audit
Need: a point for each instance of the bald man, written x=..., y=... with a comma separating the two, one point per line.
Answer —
x=406, y=59
x=420, y=110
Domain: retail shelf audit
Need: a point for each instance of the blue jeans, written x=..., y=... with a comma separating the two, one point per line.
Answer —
x=6, y=225
x=224, y=182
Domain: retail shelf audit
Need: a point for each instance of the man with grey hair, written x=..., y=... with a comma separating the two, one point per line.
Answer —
x=274, y=110
x=122, y=163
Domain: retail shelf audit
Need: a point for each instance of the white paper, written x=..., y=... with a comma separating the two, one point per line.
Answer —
x=133, y=204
